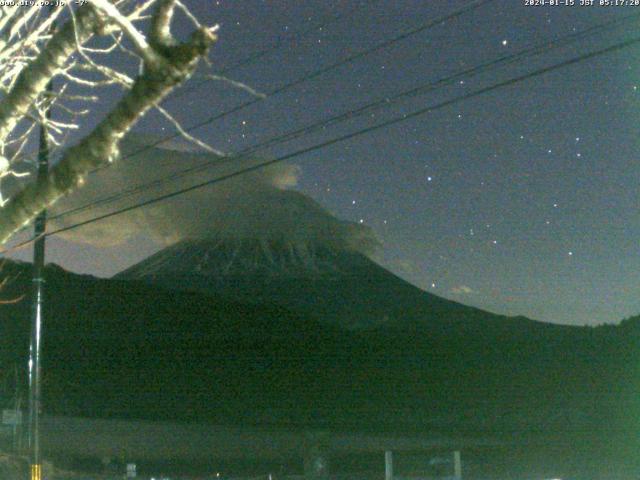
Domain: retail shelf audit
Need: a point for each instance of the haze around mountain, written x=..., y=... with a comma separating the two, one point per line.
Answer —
x=259, y=205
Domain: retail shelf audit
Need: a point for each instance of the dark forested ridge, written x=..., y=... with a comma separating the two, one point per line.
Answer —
x=127, y=349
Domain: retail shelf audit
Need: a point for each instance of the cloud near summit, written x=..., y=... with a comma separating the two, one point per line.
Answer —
x=463, y=290
x=258, y=205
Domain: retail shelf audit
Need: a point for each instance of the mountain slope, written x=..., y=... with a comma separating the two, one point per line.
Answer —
x=337, y=286
x=491, y=370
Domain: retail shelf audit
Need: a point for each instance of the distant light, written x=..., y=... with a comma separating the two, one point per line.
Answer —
x=433, y=285
x=505, y=42
x=429, y=179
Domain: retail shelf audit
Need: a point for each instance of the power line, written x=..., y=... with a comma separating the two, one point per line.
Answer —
x=396, y=120
x=328, y=20
x=470, y=6
x=256, y=56
x=543, y=47
x=438, y=21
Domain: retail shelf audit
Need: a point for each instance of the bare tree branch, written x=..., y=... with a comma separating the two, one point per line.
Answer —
x=33, y=78
x=186, y=135
x=235, y=83
x=160, y=34
x=138, y=39
x=169, y=66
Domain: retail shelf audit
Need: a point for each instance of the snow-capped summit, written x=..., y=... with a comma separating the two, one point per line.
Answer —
x=337, y=285
x=224, y=258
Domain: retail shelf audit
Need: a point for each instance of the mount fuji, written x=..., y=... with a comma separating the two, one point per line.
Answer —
x=336, y=285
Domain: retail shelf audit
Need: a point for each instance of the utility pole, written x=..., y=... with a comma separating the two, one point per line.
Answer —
x=457, y=465
x=388, y=465
x=35, y=347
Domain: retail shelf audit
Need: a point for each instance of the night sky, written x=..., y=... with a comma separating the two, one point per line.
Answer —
x=522, y=200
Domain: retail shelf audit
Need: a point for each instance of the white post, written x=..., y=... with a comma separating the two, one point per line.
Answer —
x=457, y=465
x=388, y=465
